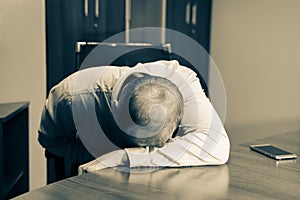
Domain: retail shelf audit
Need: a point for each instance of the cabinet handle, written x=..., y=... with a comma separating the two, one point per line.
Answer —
x=194, y=16
x=187, y=12
x=86, y=8
x=97, y=7
x=127, y=19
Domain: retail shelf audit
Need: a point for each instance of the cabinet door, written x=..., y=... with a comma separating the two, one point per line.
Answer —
x=115, y=17
x=191, y=17
x=200, y=23
x=71, y=21
x=64, y=25
x=178, y=12
x=102, y=19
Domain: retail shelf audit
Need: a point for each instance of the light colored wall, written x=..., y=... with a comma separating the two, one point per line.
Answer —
x=22, y=69
x=256, y=46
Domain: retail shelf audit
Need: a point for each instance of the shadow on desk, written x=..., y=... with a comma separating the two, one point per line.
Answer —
x=210, y=182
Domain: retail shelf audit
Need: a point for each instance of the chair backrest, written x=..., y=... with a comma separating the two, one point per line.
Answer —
x=135, y=53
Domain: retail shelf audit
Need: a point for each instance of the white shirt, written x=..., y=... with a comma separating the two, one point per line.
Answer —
x=204, y=140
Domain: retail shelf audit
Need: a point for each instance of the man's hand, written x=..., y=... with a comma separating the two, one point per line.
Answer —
x=112, y=159
x=91, y=166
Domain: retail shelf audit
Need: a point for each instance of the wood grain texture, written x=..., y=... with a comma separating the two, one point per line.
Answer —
x=247, y=175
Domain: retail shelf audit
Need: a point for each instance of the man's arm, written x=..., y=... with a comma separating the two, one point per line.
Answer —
x=205, y=141
x=57, y=132
x=193, y=149
x=112, y=159
x=208, y=144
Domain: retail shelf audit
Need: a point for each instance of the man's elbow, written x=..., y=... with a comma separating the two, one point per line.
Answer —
x=221, y=151
x=225, y=148
x=224, y=159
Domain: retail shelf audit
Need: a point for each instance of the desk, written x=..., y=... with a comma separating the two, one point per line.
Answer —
x=247, y=175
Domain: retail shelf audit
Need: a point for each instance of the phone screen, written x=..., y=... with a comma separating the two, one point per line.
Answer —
x=273, y=152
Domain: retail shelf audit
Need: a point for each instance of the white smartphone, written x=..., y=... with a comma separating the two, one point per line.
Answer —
x=273, y=152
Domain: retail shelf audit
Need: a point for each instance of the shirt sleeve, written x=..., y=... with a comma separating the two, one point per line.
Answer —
x=57, y=126
x=76, y=93
x=57, y=132
x=209, y=147
x=205, y=141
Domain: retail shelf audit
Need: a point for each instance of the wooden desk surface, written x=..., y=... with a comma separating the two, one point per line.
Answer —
x=247, y=175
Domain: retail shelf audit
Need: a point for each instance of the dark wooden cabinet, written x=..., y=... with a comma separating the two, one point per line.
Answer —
x=14, y=163
x=72, y=21
x=191, y=17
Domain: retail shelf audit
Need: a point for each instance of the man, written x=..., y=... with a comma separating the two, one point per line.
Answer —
x=204, y=140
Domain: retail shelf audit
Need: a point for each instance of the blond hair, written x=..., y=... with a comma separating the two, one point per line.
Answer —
x=155, y=106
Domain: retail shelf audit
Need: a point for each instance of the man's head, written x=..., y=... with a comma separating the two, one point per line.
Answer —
x=149, y=109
